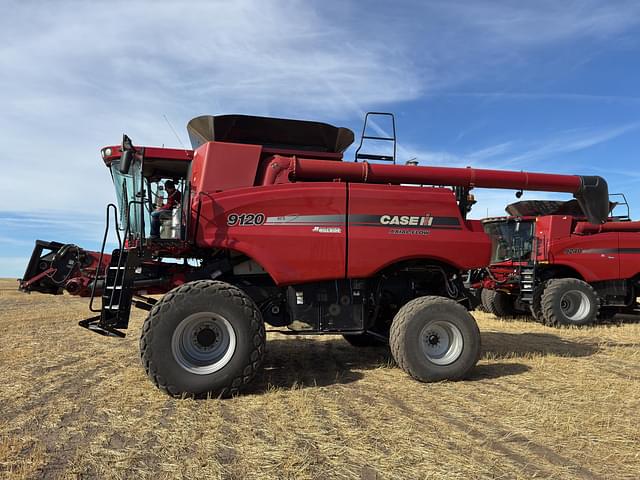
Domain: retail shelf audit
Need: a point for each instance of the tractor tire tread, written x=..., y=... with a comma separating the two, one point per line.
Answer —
x=552, y=289
x=398, y=330
x=209, y=287
x=498, y=303
x=536, y=303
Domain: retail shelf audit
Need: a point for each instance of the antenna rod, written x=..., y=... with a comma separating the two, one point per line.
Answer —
x=174, y=132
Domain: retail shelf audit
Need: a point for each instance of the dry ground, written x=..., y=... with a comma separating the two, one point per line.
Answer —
x=542, y=403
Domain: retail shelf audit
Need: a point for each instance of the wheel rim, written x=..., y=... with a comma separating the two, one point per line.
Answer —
x=441, y=342
x=203, y=343
x=575, y=305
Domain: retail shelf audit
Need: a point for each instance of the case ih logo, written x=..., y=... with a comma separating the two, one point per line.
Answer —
x=406, y=220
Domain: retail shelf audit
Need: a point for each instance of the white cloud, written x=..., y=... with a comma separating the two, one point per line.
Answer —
x=524, y=154
x=570, y=141
x=74, y=76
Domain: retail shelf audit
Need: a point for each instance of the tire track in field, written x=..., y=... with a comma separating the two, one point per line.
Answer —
x=64, y=441
x=626, y=368
x=624, y=374
x=541, y=451
x=61, y=452
x=349, y=415
x=447, y=420
x=61, y=388
x=481, y=437
x=502, y=432
x=226, y=453
x=354, y=392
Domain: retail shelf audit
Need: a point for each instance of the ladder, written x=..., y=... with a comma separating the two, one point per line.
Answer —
x=526, y=284
x=116, y=285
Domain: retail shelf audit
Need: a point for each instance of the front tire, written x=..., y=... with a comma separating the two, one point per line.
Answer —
x=498, y=303
x=435, y=338
x=569, y=301
x=204, y=338
x=536, y=303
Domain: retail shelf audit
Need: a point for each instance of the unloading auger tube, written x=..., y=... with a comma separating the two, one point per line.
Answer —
x=591, y=192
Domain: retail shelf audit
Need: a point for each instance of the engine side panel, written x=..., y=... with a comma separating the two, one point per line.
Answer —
x=629, y=253
x=296, y=232
x=392, y=223
x=595, y=257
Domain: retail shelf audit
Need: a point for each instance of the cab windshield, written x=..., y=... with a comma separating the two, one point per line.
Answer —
x=510, y=240
x=129, y=193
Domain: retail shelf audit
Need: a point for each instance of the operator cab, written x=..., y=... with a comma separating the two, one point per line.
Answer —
x=141, y=176
x=511, y=238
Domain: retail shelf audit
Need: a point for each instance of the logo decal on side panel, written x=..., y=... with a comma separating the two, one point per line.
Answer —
x=406, y=220
x=326, y=229
x=245, y=219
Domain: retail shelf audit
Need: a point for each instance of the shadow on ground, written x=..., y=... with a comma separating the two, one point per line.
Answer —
x=502, y=345
x=307, y=362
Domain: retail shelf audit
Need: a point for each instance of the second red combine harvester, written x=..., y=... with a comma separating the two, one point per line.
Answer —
x=275, y=227
x=548, y=260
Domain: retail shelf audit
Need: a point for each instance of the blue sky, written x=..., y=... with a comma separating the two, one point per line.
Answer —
x=542, y=86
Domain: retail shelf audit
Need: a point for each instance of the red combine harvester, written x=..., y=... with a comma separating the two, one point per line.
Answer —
x=273, y=226
x=548, y=260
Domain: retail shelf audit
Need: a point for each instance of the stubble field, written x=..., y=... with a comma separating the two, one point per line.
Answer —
x=542, y=403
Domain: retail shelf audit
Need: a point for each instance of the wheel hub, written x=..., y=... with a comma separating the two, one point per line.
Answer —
x=206, y=337
x=203, y=343
x=575, y=305
x=441, y=342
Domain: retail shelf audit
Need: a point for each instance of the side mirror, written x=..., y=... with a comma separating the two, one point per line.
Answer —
x=125, y=161
x=128, y=152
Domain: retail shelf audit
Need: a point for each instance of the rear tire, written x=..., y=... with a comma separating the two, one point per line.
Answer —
x=569, y=301
x=204, y=338
x=364, y=340
x=479, y=293
x=498, y=303
x=435, y=338
x=536, y=303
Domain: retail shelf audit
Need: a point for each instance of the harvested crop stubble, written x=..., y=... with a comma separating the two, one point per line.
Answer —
x=541, y=403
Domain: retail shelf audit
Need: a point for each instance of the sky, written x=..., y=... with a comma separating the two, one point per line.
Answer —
x=540, y=86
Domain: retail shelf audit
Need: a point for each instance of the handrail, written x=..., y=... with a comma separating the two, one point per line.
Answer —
x=104, y=242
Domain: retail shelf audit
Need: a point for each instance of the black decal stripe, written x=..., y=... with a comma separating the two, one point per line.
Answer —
x=406, y=227
x=445, y=221
x=358, y=220
x=606, y=250
x=308, y=219
x=599, y=250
